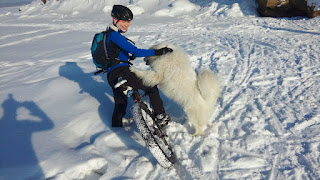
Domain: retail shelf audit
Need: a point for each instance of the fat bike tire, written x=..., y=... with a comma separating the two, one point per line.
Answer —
x=152, y=135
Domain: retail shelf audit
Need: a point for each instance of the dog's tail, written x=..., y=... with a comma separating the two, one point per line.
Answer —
x=208, y=84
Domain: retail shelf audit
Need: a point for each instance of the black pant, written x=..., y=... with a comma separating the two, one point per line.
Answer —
x=120, y=100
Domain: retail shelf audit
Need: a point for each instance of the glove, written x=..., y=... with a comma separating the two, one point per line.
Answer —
x=162, y=51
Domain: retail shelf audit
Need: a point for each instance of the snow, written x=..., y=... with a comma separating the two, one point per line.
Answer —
x=12, y=3
x=178, y=7
x=315, y=3
x=55, y=115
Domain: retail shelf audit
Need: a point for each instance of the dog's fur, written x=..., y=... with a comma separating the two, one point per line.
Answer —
x=176, y=78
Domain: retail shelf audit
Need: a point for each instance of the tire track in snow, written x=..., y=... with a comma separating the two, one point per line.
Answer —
x=293, y=108
x=239, y=79
x=24, y=33
x=258, y=75
x=25, y=40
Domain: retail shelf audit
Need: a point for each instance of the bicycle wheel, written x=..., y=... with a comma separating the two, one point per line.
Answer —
x=152, y=135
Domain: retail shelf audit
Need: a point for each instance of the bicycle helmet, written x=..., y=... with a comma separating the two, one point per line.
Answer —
x=121, y=13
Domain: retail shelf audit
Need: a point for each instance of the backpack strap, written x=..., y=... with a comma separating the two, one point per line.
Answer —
x=104, y=44
x=130, y=41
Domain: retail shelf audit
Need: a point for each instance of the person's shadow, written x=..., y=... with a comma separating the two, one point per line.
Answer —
x=17, y=156
x=102, y=92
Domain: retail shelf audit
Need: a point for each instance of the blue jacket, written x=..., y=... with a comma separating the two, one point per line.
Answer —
x=125, y=48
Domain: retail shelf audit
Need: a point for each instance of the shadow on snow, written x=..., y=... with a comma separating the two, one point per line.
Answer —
x=16, y=150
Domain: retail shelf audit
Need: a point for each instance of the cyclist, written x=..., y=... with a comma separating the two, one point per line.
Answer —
x=119, y=47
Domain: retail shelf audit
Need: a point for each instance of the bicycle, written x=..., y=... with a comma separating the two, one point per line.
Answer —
x=148, y=127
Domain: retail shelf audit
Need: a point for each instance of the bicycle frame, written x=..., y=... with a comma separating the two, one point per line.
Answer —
x=135, y=95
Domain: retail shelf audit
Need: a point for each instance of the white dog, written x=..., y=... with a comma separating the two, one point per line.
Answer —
x=176, y=78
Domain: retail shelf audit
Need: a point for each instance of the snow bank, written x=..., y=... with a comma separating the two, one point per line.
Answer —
x=164, y=8
x=178, y=7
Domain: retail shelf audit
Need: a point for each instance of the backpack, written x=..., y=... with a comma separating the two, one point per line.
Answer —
x=100, y=54
x=99, y=50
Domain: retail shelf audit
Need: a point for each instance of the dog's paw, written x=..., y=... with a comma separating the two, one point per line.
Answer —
x=132, y=69
x=136, y=71
x=199, y=132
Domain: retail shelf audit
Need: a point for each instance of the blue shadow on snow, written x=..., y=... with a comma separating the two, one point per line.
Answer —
x=16, y=150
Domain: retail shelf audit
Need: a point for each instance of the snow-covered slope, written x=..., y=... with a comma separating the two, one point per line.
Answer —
x=55, y=115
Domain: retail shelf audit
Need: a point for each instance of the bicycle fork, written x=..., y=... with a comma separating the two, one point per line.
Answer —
x=134, y=94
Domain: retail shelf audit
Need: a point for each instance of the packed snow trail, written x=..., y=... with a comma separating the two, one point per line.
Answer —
x=265, y=126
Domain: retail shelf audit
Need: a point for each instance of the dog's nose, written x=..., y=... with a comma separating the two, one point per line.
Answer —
x=147, y=61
